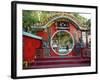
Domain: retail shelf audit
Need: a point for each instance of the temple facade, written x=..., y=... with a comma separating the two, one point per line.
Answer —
x=60, y=42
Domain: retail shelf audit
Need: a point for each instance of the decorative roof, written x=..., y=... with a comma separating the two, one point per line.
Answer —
x=57, y=16
x=32, y=35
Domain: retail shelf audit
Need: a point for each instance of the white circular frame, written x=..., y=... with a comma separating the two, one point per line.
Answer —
x=53, y=36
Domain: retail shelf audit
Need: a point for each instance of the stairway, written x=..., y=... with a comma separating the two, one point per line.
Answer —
x=59, y=62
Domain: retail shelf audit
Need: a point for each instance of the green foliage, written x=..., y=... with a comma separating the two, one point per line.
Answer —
x=38, y=17
x=86, y=23
x=63, y=38
x=27, y=18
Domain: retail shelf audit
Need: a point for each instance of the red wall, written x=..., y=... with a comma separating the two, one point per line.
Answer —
x=42, y=34
x=31, y=44
x=29, y=47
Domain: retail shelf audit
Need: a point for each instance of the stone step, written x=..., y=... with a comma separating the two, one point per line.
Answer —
x=58, y=66
x=61, y=58
x=56, y=62
x=59, y=62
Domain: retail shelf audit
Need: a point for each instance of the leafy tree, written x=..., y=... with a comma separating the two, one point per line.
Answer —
x=27, y=20
x=88, y=23
x=42, y=17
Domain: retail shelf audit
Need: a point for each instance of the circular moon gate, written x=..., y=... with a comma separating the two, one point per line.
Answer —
x=62, y=42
